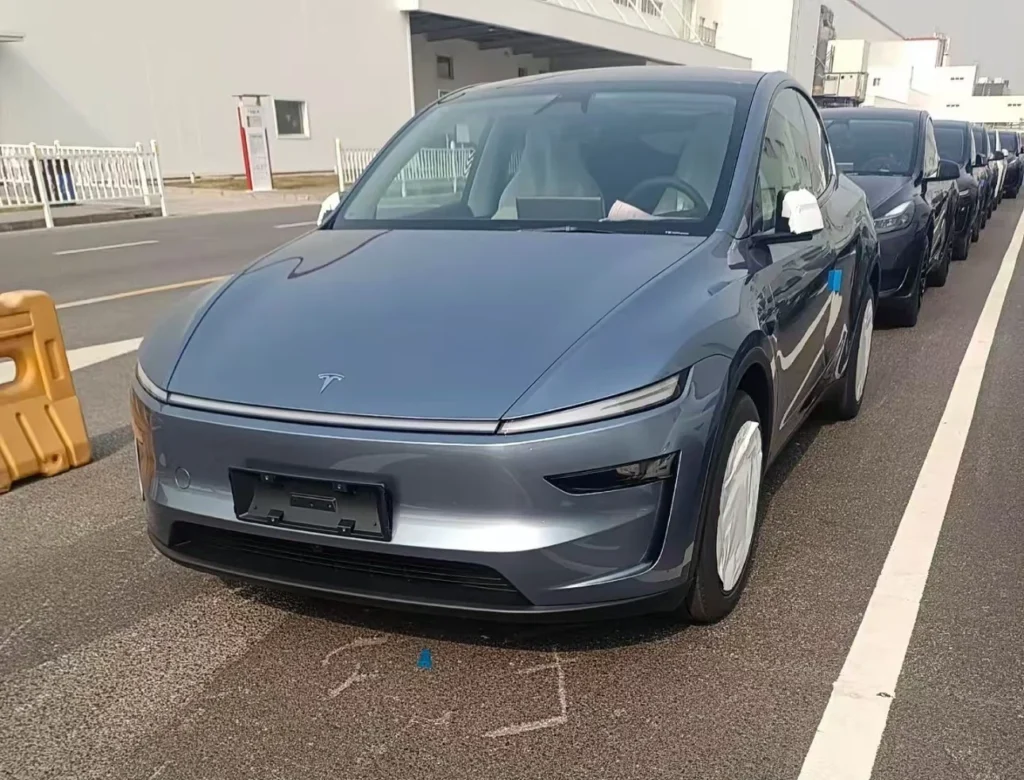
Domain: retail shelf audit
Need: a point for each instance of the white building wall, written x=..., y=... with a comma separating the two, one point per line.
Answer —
x=921, y=54
x=1003, y=110
x=849, y=56
x=470, y=66
x=954, y=81
x=112, y=72
x=892, y=84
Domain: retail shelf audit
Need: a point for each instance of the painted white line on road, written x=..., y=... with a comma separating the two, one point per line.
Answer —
x=143, y=291
x=84, y=356
x=295, y=225
x=104, y=248
x=847, y=739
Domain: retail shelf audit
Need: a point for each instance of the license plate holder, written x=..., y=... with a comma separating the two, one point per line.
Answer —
x=337, y=507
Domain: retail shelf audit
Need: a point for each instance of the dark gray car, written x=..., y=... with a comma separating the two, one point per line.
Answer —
x=545, y=381
x=892, y=154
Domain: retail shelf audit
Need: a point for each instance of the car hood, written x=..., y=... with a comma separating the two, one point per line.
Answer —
x=415, y=324
x=883, y=192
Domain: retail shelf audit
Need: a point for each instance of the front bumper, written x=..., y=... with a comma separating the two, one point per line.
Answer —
x=476, y=528
x=900, y=252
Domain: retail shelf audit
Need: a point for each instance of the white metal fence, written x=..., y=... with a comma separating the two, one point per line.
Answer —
x=54, y=175
x=668, y=17
x=429, y=169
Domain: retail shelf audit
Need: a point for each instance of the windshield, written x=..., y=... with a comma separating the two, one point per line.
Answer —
x=980, y=140
x=619, y=160
x=1010, y=142
x=873, y=146
x=952, y=143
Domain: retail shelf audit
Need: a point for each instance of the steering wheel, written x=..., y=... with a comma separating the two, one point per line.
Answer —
x=672, y=182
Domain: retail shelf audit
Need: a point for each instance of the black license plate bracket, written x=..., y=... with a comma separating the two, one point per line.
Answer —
x=336, y=507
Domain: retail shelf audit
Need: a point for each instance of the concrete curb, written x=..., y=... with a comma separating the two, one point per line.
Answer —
x=34, y=223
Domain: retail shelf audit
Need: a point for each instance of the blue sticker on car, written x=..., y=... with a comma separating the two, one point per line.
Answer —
x=835, y=281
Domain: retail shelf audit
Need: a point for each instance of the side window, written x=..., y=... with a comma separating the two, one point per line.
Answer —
x=821, y=160
x=972, y=150
x=931, y=150
x=785, y=163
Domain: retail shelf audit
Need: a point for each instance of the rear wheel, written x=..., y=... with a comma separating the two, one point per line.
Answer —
x=729, y=522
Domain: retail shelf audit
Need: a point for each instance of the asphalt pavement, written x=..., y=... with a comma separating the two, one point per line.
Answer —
x=116, y=663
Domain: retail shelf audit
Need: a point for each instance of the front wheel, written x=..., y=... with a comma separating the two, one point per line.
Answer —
x=729, y=522
x=905, y=311
x=849, y=391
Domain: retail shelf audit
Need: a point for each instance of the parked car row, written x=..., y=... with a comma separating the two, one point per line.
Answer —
x=551, y=388
x=932, y=186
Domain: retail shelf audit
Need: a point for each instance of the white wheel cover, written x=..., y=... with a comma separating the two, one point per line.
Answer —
x=737, y=506
x=867, y=327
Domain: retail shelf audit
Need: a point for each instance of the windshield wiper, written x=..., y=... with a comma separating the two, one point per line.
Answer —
x=605, y=229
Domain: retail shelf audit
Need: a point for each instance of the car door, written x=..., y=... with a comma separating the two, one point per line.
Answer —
x=935, y=193
x=797, y=273
x=838, y=232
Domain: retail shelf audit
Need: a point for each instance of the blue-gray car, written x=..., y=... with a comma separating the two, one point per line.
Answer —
x=533, y=364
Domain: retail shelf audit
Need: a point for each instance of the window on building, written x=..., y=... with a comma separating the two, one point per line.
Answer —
x=291, y=118
x=952, y=105
x=876, y=82
x=445, y=68
x=523, y=72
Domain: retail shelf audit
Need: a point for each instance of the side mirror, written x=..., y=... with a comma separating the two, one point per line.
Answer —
x=948, y=171
x=998, y=156
x=979, y=161
x=327, y=207
x=797, y=218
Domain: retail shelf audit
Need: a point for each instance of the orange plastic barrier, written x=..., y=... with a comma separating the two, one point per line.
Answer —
x=42, y=430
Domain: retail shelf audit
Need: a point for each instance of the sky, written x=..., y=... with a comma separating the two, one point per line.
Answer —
x=991, y=36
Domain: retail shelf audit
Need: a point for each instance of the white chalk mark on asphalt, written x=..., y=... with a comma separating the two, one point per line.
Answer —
x=159, y=770
x=143, y=291
x=851, y=729
x=536, y=725
x=353, y=678
x=371, y=641
x=83, y=357
x=295, y=225
x=14, y=632
x=415, y=720
x=104, y=248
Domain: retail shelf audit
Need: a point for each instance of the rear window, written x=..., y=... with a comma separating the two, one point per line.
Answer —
x=952, y=142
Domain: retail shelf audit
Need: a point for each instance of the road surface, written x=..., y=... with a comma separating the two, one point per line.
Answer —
x=116, y=663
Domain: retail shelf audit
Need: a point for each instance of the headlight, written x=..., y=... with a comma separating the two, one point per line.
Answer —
x=898, y=218
x=149, y=385
x=628, y=403
x=964, y=193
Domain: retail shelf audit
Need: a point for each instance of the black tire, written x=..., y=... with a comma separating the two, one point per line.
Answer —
x=938, y=276
x=976, y=230
x=1012, y=194
x=708, y=601
x=844, y=401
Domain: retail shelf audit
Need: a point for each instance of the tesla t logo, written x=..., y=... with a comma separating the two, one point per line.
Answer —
x=329, y=379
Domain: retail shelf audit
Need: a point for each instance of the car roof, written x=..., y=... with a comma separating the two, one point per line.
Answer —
x=962, y=124
x=873, y=112
x=630, y=74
